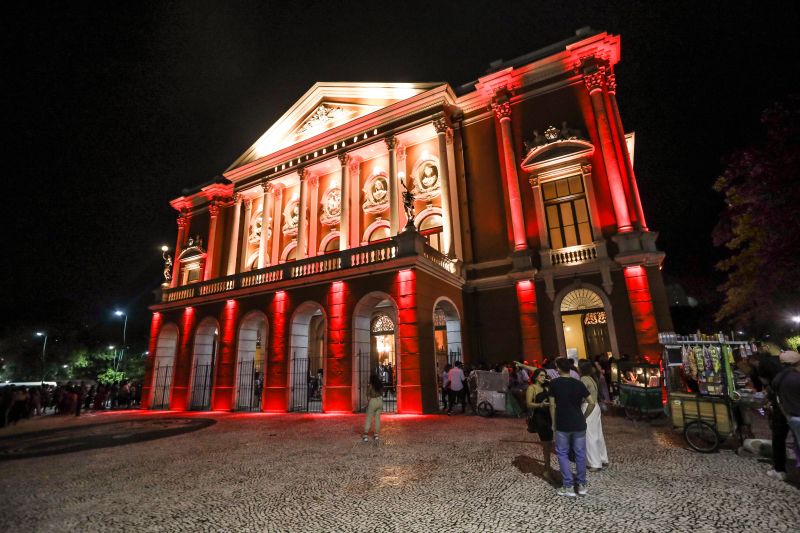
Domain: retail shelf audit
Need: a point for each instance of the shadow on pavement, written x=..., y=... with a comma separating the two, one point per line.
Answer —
x=89, y=437
x=529, y=465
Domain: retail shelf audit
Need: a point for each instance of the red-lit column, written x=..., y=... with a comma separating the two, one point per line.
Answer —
x=149, y=376
x=179, y=399
x=643, y=311
x=354, y=172
x=225, y=365
x=276, y=384
x=344, y=203
x=338, y=392
x=444, y=179
x=595, y=83
x=622, y=148
x=529, y=321
x=263, y=254
x=409, y=372
x=248, y=210
x=502, y=111
x=211, y=257
x=233, y=245
x=394, y=203
x=183, y=228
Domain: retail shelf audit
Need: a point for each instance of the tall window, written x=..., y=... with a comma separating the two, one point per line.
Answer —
x=431, y=229
x=566, y=212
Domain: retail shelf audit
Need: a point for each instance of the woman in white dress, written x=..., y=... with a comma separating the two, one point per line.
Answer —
x=596, y=453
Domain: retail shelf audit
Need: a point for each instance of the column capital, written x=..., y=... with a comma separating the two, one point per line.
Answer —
x=237, y=198
x=312, y=179
x=344, y=159
x=213, y=208
x=353, y=165
x=596, y=80
x=303, y=173
x=277, y=190
x=502, y=110
x=183, y=220
x=611, y=83
x=441, y=125
x=391, y=142
x=266, y=186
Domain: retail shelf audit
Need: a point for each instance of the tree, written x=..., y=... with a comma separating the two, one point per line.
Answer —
x=761, y=224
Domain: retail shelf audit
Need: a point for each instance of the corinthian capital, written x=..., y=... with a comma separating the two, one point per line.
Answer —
x=266, y=186
x=441, y=125
x=502, y=110
x=596, y=80
x=312, y=180
x=611, y=83
x=344, y=159
x=213, y=208
x=391, y=142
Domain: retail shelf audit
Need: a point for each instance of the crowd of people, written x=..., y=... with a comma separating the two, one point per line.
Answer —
x=19, y=402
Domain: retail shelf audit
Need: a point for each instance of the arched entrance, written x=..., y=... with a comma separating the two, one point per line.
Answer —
x=307, y=352
x=251, y=361
x=446, y=337
x=587, y=325
x=164, y=362
x=206, y=344
x=375, y=349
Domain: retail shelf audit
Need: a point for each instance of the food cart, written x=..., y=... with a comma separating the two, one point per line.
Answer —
x=699, y=379
x=640, y=391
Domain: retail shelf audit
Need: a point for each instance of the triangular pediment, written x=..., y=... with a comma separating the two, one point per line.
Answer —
x=328, y=105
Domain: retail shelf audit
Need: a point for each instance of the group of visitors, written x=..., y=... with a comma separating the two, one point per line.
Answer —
x=564, y=405
x=18, y=402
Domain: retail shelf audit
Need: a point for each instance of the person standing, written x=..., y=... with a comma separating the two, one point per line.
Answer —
x=445, y=386
x=537, y=400
x=596, y=453
x=569, y=423
x=374, y=407
x=787, y=387
x=455, y=380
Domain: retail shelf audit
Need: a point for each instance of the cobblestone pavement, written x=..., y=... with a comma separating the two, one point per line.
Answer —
x=265, y=472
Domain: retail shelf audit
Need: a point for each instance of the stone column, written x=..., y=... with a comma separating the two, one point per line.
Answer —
x=401, y=177
x=248, y=211
x=444, y=182
x=301, y=218
x=313, y=215
x=183, y=228
x=502, y=111
x=394, y=204
x=277, y=197
x=211, y=253
x=541, y=216
x=262, y=247
x=344, y=213
x=595, y=82
x=354, y=171
x=233, y=245
x=611, y=83
x=455, y=211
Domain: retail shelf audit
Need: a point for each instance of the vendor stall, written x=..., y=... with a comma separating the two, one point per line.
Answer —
x=701, y=387
x=640, y=391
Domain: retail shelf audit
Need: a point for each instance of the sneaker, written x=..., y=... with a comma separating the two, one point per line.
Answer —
x=376, y=438
x=582, y=490
x=365, y=438
x=780, y=476
x=594, y=469
x=566, y=491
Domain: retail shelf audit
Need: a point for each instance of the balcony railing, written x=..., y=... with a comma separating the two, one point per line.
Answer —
x=574, y=255
x=355, y=257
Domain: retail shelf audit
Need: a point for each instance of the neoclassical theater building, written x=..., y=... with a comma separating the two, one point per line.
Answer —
x=389, y=228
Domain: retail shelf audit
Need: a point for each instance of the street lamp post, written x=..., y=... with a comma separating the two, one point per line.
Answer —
x=44, y=350
x=124, y=334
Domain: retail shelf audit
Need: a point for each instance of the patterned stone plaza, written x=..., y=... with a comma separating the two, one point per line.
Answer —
x=262, y=472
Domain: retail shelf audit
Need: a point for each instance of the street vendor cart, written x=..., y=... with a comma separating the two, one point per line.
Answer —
x=640, y=391
x=702, y=395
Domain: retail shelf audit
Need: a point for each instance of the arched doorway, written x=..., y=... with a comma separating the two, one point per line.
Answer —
x=375, y=349
x=307, y=352
x=251, y=361
x=446, y=337
x=587, y=325
x=206, y=343
x=163, y=365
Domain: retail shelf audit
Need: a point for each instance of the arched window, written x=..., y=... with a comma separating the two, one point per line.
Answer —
x=332, y=246
x=431, y=229
x=379, y=234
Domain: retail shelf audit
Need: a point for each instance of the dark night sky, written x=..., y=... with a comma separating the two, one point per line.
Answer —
x=109, y=114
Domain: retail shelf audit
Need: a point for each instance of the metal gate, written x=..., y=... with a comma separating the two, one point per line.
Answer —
x=161, y=388
x=306, y=389
x=201, y=388
x=251, y=385
x=453, y=356
x=388, y=376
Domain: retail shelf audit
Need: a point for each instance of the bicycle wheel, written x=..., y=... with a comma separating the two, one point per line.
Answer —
x=485, y=409
x=701, y=436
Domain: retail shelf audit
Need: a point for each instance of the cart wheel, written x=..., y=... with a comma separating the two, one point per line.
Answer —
x=485, y=409
x=701, y=436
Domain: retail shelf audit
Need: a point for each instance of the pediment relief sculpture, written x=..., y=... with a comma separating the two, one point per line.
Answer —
x=376, y=193
x=427, y=184
x=291, y=218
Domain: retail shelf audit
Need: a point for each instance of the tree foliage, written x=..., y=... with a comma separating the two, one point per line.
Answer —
x=761, y=224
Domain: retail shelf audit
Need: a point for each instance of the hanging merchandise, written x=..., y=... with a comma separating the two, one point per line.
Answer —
x=716, y=363
x=691, y=367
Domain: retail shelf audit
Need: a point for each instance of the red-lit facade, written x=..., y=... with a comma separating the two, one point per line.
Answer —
x=297, y=272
